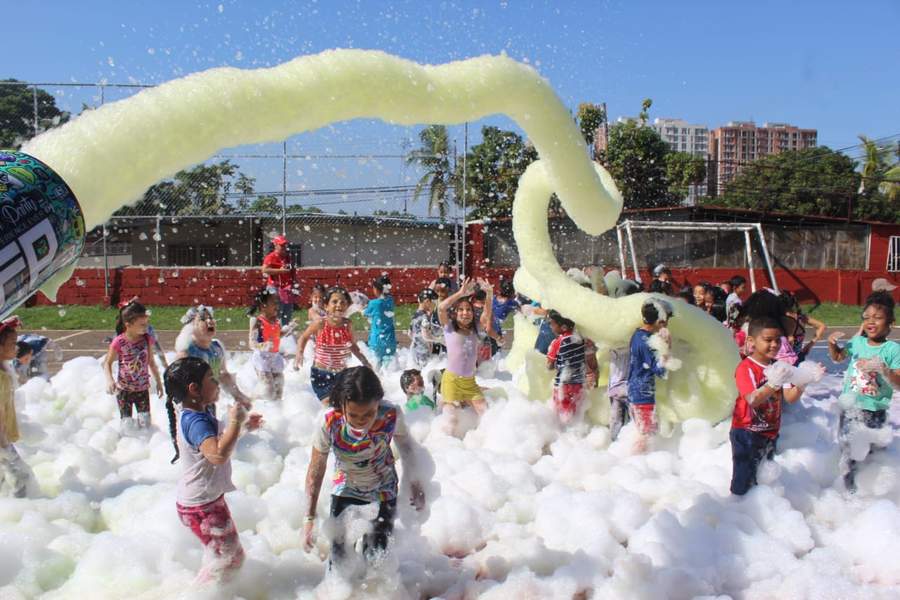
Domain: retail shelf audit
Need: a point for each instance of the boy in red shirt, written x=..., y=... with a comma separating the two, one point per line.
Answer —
x=757, y=411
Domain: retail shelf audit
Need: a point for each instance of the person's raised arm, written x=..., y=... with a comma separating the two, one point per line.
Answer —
x=487, y=317
x=226, y=378
x=311, y=330
x=217, y=450
x=444, y=306
x=836, y=352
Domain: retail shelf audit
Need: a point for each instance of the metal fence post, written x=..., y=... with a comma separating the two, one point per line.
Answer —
x=35, y=102
x=105, y=265
x=284, y=188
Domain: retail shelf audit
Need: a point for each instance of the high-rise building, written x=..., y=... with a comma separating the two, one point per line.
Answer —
x=733, y=146
x=685, y=137
x=682, y=136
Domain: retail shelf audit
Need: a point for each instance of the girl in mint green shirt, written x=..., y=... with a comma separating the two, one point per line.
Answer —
x=872, y=376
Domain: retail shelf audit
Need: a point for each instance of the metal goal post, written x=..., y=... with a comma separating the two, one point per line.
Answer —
x=625, y=239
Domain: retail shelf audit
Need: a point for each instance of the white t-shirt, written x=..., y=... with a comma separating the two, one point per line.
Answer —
x=201, y=481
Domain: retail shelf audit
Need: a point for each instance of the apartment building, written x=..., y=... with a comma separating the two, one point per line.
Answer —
x=738, y=143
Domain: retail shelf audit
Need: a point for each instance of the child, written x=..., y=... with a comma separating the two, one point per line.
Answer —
x=22, y=363
x=131, y=348
x=487, y=340
x=14, y=473
x=413, y=386
x=120, y=329
x=643, y=367
x=733, y=301
x=359, y=430
x=757, y=410
x=334, y=344
x=316, y=303
x=797, y=338
x=420, y=328
x=568, y=354
x=461, y=335
x=505, y=303
x=202, y=344
x=265, y=340
x=871, y=378
x=205, y=449
x=441, y=286
x=380, y=312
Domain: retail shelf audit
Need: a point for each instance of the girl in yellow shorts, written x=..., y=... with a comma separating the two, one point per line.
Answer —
x=457, y=317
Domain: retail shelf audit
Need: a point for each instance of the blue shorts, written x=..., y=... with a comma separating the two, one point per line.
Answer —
x=748, y=449
x=322, y=381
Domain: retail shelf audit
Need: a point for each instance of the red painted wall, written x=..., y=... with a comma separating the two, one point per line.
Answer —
x=221, y=286
x=229, y=286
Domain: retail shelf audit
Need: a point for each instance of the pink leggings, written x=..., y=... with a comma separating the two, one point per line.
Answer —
x=223, y=554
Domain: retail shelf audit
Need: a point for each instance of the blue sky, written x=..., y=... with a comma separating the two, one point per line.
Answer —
x=821, y=64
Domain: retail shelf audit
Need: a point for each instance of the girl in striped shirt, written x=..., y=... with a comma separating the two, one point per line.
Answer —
x=334, y=344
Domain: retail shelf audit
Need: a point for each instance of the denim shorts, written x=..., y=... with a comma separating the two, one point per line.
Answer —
x=322, y=381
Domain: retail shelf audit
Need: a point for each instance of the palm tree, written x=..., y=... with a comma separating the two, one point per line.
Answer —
x=434, y=157
x=874, y=165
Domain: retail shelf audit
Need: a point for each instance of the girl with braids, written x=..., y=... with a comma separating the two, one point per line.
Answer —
x=265, y=341
x=132, y=348
x=359, y=430
x=871, y=378
x=205, y=450
x=334, y=344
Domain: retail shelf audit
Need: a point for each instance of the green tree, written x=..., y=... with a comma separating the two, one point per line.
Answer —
x=875, y=165
x=683, y=170
x=434, y=157
x=636, y=159
x=245, y=185
x=17, y=113
x=397, y=214
x=590, y=118
x=813, y=181
x=493, y=168
x=201, y=190
x=265, y=204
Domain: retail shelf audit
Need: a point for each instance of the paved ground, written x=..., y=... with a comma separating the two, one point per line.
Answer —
x=91, y=342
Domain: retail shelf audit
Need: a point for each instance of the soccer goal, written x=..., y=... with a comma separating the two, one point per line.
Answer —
x=625, y=238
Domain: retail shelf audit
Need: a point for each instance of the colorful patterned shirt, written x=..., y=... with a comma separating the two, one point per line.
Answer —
x=364, y=466
x=134, y=362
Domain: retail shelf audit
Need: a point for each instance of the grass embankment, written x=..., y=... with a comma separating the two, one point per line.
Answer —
x=168, y=317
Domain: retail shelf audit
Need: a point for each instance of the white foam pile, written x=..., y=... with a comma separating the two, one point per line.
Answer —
x=516, y=509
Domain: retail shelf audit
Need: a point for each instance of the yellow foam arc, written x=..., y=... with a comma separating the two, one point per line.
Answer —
x=703, y=387
x=111, y=155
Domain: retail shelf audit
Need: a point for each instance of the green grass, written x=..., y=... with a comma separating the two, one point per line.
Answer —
x=834, y=314
x=161, y=317
x=168, y=317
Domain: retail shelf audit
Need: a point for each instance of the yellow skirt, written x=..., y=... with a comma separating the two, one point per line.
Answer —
x=459, y=391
